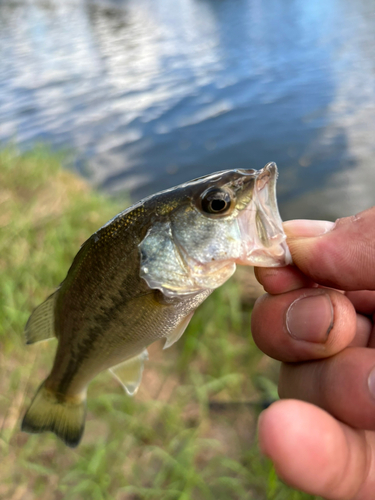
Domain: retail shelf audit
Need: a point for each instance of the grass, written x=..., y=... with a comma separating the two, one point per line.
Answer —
x=186, y=435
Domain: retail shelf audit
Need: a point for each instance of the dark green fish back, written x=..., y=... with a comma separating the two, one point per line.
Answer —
x=104, y=275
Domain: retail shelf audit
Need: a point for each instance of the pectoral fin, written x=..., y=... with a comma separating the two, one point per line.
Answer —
x=40, y=325
x=129, y=373
x=173, y=336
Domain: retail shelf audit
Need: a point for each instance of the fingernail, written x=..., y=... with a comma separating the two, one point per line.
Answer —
x=371, y=382
x=310, y=318
x=307, y=228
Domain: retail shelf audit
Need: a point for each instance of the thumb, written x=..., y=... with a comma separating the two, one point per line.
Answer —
x=339, y=255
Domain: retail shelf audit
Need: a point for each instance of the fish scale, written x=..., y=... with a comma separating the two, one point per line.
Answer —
x=140, y=278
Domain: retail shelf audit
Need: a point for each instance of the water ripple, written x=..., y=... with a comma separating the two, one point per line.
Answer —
x=154, y=92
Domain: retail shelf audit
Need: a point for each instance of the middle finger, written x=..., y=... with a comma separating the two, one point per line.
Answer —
x=308, y=323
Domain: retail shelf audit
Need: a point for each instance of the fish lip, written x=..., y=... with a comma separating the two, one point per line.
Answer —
x=270, y=169
x=247, y=171
x=260, y=224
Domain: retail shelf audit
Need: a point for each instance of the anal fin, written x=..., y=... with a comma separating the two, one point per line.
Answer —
x=173, y=336
x=40, y=325
x=129, y=373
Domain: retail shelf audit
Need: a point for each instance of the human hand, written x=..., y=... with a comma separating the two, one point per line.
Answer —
x=322, y=438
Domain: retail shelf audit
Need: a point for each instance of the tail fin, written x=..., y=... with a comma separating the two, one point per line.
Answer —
x=63, y=415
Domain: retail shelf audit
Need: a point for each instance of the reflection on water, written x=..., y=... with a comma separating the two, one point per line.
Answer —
x=151, y=93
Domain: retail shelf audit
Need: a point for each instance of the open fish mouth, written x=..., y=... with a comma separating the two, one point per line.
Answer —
x=263, y=238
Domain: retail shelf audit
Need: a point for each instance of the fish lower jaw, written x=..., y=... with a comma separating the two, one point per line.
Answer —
x=275, y=256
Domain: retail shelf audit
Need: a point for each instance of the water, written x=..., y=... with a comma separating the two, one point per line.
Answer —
x=151, y=93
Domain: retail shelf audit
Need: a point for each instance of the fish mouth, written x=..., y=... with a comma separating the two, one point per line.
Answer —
x=263, y=238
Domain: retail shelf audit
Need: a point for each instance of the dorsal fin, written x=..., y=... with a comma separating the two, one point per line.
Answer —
x=40, y=325
x=129, y=373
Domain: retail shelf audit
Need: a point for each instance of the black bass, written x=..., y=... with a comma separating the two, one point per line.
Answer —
x=141, y=277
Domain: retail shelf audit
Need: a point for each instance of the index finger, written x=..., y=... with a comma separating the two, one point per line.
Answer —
x=342, y=256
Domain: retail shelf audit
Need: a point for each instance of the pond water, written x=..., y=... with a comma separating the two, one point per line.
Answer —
x=151, y=93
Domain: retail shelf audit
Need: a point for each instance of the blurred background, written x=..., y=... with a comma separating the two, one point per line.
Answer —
x=136, y=96
x=150, y=93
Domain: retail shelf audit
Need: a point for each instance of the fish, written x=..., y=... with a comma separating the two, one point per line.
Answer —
x=141, y=277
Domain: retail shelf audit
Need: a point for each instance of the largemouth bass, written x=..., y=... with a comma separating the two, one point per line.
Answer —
x=140, y=278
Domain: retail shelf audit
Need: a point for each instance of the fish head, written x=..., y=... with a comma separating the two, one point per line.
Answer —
x=217, y=221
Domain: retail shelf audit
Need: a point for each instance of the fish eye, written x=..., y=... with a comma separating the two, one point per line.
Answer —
x=216, y=201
